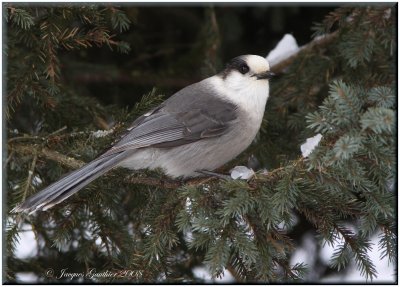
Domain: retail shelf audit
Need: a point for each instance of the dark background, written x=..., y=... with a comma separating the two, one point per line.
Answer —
x=173, y=46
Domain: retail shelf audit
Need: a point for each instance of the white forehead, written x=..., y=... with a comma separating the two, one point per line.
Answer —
x=256, y=63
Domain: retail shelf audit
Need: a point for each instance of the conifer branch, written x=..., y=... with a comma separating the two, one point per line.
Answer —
x=231, y=269
x=30, y=175
x=166, y=183
x=73, y=163
x=9, y=157
x=151, y=181
x=317, y=43
x=64, y=160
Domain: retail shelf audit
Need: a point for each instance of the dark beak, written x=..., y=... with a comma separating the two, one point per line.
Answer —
x=265, y=75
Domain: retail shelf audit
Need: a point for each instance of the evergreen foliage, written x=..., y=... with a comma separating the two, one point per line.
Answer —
x=147, y=228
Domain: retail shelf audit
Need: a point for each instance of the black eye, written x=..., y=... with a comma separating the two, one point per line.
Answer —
x=244, y=69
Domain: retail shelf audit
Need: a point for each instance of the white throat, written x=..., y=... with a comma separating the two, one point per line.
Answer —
x=250, y=95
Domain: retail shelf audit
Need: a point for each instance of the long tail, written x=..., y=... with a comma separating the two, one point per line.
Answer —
x=70, y=184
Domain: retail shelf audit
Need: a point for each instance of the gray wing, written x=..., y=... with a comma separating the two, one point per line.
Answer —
x=182, y=119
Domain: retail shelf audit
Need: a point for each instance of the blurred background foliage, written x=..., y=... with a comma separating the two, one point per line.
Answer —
x=74, y=69
x=162, y=52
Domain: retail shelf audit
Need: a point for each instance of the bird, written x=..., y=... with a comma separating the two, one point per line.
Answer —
x=199, y=128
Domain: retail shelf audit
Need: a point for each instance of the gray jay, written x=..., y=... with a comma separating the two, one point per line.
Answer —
x=201, y=127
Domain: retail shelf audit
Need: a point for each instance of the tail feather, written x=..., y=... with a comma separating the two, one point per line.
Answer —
x=70, y=184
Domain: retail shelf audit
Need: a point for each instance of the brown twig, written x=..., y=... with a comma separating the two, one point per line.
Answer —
x=9, y=158
x=49, y=154
x=168, y=184
x=30, y=174
x=57, y=131
x=62, y=159
x=25, y=137
x=318, y=42
x=73, y=163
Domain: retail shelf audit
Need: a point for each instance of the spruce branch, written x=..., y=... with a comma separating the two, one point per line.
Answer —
x=238, y=275
x=20, y=17
x=317, y=43
x=48, y=154
x=9, y=157
x=166, y=183
x=73, y=163
x=30, y=175
x=388, y=243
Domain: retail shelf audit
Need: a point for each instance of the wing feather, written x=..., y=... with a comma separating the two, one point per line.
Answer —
x=180, y=120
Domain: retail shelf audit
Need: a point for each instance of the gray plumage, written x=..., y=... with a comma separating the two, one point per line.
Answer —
x=198, y=128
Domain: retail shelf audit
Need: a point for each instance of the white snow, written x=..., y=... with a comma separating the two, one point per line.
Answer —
x=26, y=277
x=310, y=144
x=27, y=246
x=201, y=272
x=306, y=253
x=36, y=181
x=388, y=13
x=242, y=172
x=188, y=236
x=102, y=133
x=188, y=204
x=286, y=47
x=385, y=270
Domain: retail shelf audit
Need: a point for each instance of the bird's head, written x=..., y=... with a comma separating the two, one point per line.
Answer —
x=247, y=68
x=245, y=80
